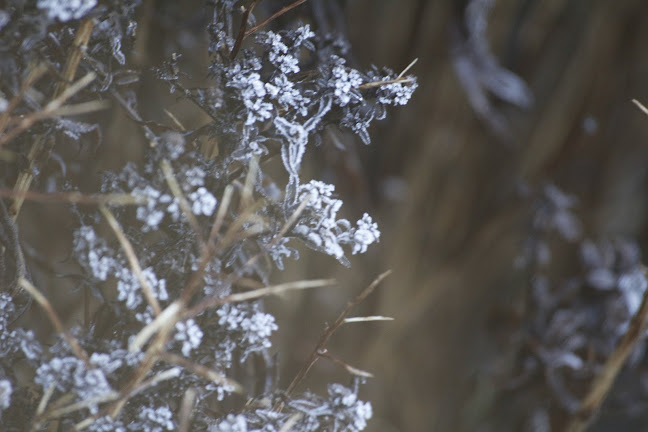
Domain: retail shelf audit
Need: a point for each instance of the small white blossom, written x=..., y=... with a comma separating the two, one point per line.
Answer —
x=130, y=291
x=366, y=234
x=65, y=10
x=232, y=423
x=153, y=420
x=203, y=202
x=344, y=82
x=189, y=334
x=149, y=213
x=254, y=326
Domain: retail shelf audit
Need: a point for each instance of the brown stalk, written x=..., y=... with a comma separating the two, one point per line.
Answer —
x=73, y=197
x=241, y=32
x=255, y=294
x=132, y=258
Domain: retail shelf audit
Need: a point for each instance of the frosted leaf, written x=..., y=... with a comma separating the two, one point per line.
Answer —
x=281, y=250
x=302, y=35
x=65, y=10
x=75, y=129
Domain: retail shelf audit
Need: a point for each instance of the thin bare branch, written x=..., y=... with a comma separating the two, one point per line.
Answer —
x=274, y=16
x=321, y=345
x=205, y=372
x=169, y=314
x=350, y=369
x=241, y=32
x=176, y=190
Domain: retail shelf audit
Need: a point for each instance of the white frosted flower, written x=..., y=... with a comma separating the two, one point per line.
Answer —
x=65, y=10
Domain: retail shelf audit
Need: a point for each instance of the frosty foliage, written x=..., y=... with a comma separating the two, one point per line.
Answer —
x=271, y=96
x=573, y=321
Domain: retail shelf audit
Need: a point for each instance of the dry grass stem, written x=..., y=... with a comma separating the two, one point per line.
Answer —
x=640, y=106
x=53, y=317
x=167, y=318
x=73, y=197
x=367, y=318
x=200, y=370
x=132, y=258
x=256, y=294
x=350, y=369
x=186, y=409
x=176, y=190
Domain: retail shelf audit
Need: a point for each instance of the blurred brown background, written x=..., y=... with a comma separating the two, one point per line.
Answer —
x=445, y=187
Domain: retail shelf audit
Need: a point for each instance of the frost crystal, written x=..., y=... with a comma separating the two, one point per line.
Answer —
x=66, y=10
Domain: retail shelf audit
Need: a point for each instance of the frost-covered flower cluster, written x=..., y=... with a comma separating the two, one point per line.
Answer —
x=324, y=231
x=202, y=218
x=66, y=10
